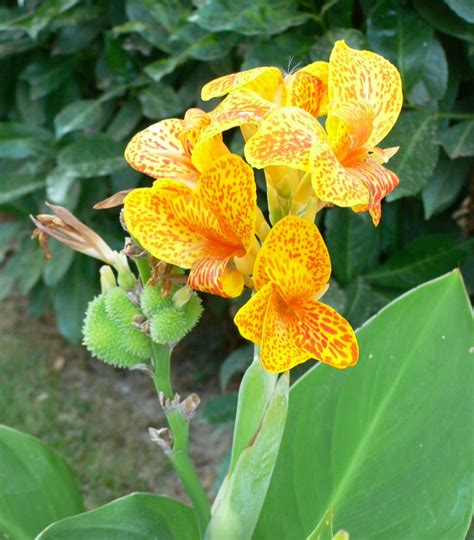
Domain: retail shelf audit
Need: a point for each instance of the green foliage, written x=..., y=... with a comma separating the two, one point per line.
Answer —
x=140, y=516
x=78, y=80
x=37, y=487
x=380, y=442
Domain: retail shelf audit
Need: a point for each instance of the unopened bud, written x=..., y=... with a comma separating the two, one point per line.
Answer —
x=107, y=278
x=163, y=438
x=127, y=280
x=182, y=296
x=189, y=406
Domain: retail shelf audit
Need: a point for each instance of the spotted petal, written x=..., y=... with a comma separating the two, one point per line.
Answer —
x=263, y=80
x=158, y=151
x=279, y=351
x=229, y=189
x=334, y=183
x=285, y=138
x=307, y=92
x=326, y=336
x=216, y=276
x=240, y=108
x=294, y=258
x=250, y=317
x=363, y=75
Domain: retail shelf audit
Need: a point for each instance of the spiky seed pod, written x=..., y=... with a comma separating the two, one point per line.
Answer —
x=103, y=338
x=122, y=311
x=151, y=300
x=168, y=325
x=193, y=310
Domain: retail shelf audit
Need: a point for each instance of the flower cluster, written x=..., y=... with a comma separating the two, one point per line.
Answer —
x=314, y=133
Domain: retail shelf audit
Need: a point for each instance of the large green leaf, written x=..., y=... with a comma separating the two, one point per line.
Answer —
x=415, y=134
x=97, y=156
x=321, y=50
x=18, y=141
x=401, y=36
x=140, y=516
x=46, y=75
x=159, y=101
x=443, y=19
x=463, y=8
x=425, y=258
x=352, y=241
x=13, y=185
x=385, y=443
x=458, y=140
x=36, y=486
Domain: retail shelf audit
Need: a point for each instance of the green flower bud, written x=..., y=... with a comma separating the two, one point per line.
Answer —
x=103, y=338
x=107, y=278
x=182, y=296
x=127, y=280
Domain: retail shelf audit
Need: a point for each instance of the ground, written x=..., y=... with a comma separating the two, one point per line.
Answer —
x=95, y=415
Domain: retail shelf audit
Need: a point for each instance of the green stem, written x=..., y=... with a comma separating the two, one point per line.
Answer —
x=144, y=268
x=179, y=456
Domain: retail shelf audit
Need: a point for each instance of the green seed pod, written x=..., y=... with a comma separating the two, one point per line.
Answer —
x=193, y=311
x=151, y=301
x=103, y=338
x=168, y=325
x=119, y=307
x=122, y=311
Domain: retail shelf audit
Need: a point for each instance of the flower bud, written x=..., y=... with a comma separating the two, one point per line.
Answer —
x=182, y=296
x=107, y=278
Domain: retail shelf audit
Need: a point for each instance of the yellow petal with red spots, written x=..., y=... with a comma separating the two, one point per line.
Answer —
x=285, y=138
x=195, y=121
x=326, y=336
x=278, y=350
x=151, y=218
x=250, y=317
x=319, y=70
x=376, y=213
x=378, y=180
x=206, y=151
x=240, y=108
x=158, y=151
x=263, y=80
x=349, y=126
x=363, y=75
x=294, y=258
x=307, y=92
x=332, y=182
x=216, y=276
x=229, y=189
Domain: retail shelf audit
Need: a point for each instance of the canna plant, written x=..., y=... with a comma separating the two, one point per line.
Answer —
x=369, y=442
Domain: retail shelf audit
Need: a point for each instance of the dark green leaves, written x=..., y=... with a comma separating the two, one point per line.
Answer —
x=385, y=441
x=458, y=140
x=36, y=486
x=97, y=156
x=19, y=141
x=45, y=76
x=140, y=516
x=77, y=115
x=416, y=134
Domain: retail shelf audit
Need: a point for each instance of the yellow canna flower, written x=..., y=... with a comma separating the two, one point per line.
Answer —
x=285, y=317
x=365, y=98
x=172, y=148
x=254, y=93
x=209, y=229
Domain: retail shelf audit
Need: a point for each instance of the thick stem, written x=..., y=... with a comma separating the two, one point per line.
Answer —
x=144, y=268
x=179, y=455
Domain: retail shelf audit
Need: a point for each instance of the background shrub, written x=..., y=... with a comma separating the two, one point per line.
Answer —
x=80, y=77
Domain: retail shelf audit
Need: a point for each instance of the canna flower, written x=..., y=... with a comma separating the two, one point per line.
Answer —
x=285, y=316
x=209, y=229
x=254, y=93
x=172, y=148
x=344, y=162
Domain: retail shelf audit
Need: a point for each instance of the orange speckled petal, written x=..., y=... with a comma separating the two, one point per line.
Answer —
x=349, y=126
x=332, y=182
x=284, y=138
x=229, y=189
x=326, y=336
x=278, y=351
x=320, y=70
x=195, y=121
x=356, y=75
x=263, y=80
x=206, y=151
x=216, y=276
x=376, y=214
x=151, y=218
x=307, y=92
x=250, y=317
x=158, y=152
x=293, y=257
x=240, y=108
x=378, y=180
